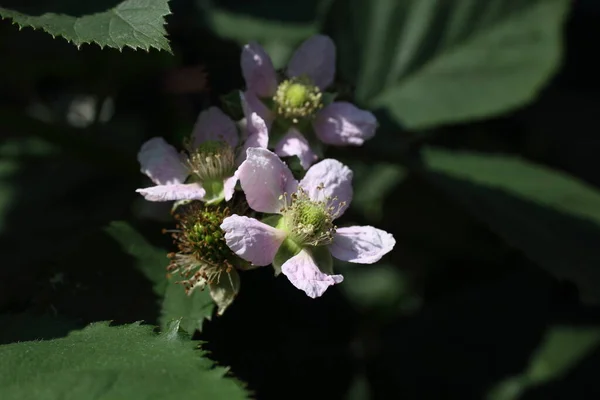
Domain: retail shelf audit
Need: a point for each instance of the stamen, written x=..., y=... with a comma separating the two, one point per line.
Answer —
x=297, y=98
x=212, y=161
x=310, y=222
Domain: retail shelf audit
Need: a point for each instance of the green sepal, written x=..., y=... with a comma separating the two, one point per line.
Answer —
x=327, y=98
x=215, y=191
x=287, y=250
x=225, y=290
x=232, y=104
x=268, y=102
x=273, y=220
x=279, y=128
x=179, y=203
x=322, y=257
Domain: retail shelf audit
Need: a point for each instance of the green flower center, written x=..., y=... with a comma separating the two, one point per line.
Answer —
x=212, y=161
x=309, y=222
x=297, y=98
x=297, y=94
x=312, y=217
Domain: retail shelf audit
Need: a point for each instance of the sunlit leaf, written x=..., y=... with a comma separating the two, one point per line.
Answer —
x=121, y=362
x=138, y=24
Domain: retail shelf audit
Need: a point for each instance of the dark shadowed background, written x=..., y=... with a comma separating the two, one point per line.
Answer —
x=485, y=169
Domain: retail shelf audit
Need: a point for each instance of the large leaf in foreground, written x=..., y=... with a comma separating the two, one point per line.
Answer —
x=138, y=24
x=122, y=362
x=549, y=215
x=429, y=62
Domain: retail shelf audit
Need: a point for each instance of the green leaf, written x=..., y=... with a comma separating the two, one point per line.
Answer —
x=287, y=250
x=275, y=25
x=103, y=362
x=551, y=216
x=150, y=260
x=562, y=349
x=138, y=24
x=382, y=286
x=372, y=185
x=430, y=63
x=191, y=310
x=232, y=104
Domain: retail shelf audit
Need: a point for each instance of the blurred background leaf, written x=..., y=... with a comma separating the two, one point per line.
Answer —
x=373, y=183
x=430, y=63
x=278, y=27
x=151, y=261
x=562, y=349
x=550, y=216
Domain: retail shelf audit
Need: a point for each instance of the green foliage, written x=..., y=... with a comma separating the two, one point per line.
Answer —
x=138, y=24
x=562, y=349
x=149, y=260
x=372, y=185
x=551, y=216
x=383, y=288
x=232, y=104
x=103, y=362
x=275, y=25
x=191, y=310
x=429, y=63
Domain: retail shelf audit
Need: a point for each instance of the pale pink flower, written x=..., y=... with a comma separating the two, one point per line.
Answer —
x=206, y=171
x=298, y=99
x=302, y=238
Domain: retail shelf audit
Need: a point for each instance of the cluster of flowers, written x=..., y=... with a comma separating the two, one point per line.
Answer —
x=238, y=204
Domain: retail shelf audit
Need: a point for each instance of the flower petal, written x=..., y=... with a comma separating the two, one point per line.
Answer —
x=214, y=124
x=161, y=162
x=229, y=186
x=258, y=70
x=257, y=133
x=252, y=104
x=303, y=273
x=251, y=239
x=343, y=124
x=294, y=144
x=329, y=179
x=264, y=178
x=225, y=289
x=361, y=244
x=258, y=137
x=189, y=191
x=316, y=59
